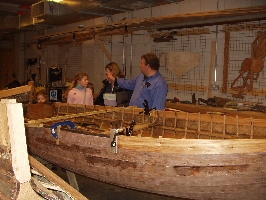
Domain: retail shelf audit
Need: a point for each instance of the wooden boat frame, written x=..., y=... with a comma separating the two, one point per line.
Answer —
x=189, y=155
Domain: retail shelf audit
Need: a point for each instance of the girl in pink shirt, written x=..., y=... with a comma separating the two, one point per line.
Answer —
x=78, y=92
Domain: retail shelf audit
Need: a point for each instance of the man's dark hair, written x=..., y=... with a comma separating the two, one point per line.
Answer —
x=152, y=60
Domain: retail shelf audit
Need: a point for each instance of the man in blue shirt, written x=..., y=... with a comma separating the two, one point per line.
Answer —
x=149, y=85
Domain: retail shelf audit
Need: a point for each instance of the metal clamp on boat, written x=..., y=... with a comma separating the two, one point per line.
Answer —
x=146, y=108
x=130, y=129
x=113, y=139
x=53, y=128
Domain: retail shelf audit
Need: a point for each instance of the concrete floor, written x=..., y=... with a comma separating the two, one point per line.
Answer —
x=96, y=190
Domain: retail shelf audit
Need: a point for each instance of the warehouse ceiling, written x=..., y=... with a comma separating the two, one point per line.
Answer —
x=26, y=15
x=38, y=15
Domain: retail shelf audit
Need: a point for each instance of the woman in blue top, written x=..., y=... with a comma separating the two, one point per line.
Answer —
x=149, y=85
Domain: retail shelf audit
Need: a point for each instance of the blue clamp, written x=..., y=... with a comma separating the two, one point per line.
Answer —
x=53, y=128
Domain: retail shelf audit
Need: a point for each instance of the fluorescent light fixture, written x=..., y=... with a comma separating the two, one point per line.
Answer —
x=57, y=1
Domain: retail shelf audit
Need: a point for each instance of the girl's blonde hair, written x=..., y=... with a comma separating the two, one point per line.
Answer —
x=41, y=92
x=113, y=67
x=73, y=84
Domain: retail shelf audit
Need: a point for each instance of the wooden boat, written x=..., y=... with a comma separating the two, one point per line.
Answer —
x=174, y=153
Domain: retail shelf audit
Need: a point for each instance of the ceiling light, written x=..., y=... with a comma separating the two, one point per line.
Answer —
x=57, y=1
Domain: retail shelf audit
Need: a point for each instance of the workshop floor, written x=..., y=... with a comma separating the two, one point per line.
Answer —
x=96, y=190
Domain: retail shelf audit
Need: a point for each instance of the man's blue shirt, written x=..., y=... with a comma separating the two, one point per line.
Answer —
x=153, y=89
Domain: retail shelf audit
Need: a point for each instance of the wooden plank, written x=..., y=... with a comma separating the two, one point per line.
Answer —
x=254, y=92
x=187, y=87
x=17, y=90
x=192, y=146
x=14, y=91
x=55, y=179
x=72, y=179
x=205, y=109
x=192, y=31
x=19, y=151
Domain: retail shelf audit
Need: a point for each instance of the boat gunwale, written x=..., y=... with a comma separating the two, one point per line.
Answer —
x=173, y=145
x=191, y=125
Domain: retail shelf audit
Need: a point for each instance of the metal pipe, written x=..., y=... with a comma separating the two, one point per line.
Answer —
x=216, y=59
x=113, y=8
x=124, y=58
x=93, y=13
x=131, y=54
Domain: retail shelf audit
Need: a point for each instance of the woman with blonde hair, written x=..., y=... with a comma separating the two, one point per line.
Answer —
x=77, y=92
x=110, y=95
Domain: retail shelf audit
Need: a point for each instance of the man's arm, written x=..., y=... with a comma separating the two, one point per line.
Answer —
x=126, y=83
x=121, y=82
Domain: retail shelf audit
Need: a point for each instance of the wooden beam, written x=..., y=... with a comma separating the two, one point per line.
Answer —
x=38, y=121
x=187, y=87
x=31, y=84
x=55, y=179
x=20, y=162
x=101, y=45
x=164, y=23
x=244, y=27
x=15, y=163
x=72, y=179
x=192, y=31
x=17, y=90
x=37, y=50
x=254, y=92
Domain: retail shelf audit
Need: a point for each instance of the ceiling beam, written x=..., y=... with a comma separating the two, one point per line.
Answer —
x=230, y=16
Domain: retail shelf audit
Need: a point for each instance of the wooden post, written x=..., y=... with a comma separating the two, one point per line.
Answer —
x=226, y=61
x=213, y=53
x=72, y=179
x=101, y=45
x=31, y=84
x=18, y=144
x=58, y=128
x=13, y=140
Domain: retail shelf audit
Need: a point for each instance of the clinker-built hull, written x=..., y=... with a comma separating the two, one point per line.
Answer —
x=188, y=155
